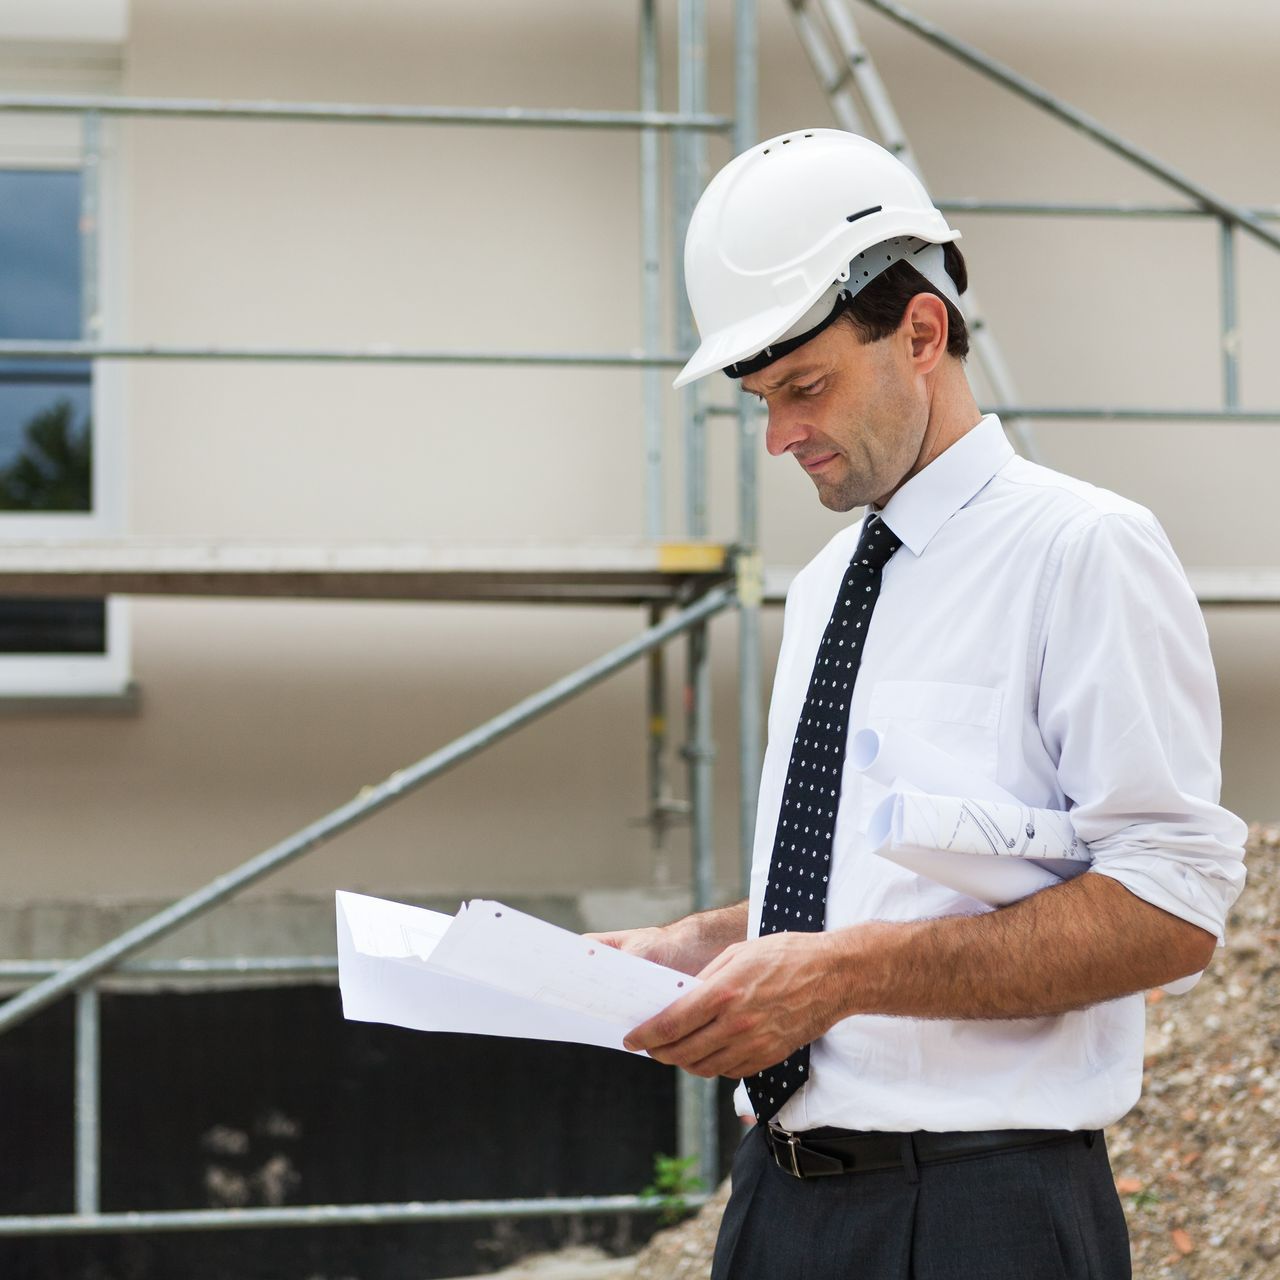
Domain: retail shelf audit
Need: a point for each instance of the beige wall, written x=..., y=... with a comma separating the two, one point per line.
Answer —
x=258, y=717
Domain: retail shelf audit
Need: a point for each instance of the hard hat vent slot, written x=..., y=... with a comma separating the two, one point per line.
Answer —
x=853, y=217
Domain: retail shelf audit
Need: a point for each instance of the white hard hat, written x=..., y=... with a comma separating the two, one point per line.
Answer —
x=787, y=227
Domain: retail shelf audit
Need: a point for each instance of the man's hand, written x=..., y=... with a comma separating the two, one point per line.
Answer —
x=759, y=1000
x=689, y=944
x=657, y=943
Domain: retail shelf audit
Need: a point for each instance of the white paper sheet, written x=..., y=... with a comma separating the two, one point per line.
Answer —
x=491, y=970
x=996, y=853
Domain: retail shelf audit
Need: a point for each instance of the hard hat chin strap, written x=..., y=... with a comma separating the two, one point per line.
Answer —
x=928, y=259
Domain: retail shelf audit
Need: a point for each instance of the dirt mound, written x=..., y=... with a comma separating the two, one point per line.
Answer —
x=1197, y=1161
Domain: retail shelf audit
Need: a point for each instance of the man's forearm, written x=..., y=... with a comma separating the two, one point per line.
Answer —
x=704, y=935
x=1075, y=945
x=1068, y=947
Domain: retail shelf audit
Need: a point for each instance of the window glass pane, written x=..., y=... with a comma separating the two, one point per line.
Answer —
x=45, y=429
x=37, y=626
x=46, y=435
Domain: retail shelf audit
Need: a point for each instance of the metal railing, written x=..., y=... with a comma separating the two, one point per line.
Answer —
x=325, y=1215
x=83, y=978
x=1232, y=218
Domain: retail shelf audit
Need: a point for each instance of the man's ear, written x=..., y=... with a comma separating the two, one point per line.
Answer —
x=926, y=320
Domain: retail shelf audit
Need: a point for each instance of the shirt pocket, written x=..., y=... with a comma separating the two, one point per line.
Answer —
x=960, y=719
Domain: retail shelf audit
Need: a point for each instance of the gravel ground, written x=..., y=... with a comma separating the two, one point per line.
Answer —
x=1197, y=1161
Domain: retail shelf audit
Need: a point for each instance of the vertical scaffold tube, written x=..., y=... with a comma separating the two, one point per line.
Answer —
x=690, y=149
x=651, y=274
x=656, y=735
x=90, y=214
x=88, y=1060
x=697, y=1119
x=1230, y=330
x=750, y=711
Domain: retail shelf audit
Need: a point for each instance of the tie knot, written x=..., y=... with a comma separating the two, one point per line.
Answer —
x=877, y=543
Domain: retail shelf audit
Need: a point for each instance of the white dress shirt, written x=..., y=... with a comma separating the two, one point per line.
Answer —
x=1042, y=631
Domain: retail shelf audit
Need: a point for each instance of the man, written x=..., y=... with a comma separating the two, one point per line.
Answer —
x=930, y=1077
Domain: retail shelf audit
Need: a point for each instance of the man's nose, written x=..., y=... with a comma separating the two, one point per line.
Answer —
x=784, y=430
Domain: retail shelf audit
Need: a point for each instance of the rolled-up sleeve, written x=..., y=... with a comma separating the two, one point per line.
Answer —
x=1128, y=710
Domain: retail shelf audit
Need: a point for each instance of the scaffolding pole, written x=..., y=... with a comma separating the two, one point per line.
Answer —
x=1046, y=101
x=88, y=1089
x=32, y=349
x=196, y=968
x=1228, y=331
x=750, y=573
x=697, y=1121
x=1097, y=209
x=1116, y=413
x=690, y=166
x=651, y=272
x=695, y=1097
x=325, y=1215
x=359, y=113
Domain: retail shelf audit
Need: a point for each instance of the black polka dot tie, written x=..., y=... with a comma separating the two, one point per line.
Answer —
x=795, y=898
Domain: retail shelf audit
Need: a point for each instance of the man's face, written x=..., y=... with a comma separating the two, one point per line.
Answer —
x=852, y=414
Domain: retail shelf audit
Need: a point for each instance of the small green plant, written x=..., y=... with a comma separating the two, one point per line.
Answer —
x=1144, y=1200
x=673, y=1182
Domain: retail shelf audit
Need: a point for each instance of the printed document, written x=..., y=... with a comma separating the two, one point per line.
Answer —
x=491, y=970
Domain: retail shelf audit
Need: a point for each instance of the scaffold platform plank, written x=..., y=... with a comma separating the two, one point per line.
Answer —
x=1232, y=586
x=598, y=572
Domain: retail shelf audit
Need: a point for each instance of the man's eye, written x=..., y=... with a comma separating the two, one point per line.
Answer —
x=810, y=388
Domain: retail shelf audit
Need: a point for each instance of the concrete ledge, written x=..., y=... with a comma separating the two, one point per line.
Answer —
x=296, y=926
x=128, y=702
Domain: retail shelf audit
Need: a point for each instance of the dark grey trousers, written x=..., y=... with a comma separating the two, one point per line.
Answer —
x=1036, y=1213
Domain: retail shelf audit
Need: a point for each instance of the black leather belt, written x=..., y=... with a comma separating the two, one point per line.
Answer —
x=819, y=1153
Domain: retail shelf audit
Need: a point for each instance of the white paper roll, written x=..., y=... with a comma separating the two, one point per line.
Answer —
x=996, y=853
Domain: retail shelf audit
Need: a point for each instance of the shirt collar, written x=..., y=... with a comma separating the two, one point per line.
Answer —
x=932, y=496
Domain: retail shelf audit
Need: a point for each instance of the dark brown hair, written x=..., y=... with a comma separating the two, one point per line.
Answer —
x=877, y=311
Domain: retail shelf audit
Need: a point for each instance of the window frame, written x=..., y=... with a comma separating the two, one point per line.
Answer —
x=57, y=143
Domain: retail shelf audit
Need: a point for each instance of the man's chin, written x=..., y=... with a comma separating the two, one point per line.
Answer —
x=837, y=497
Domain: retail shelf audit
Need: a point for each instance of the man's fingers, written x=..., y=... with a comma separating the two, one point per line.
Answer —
x=675, y=1022
x=702, y=1052
x=724, y=1062
x=717, y=963
x=664, y=1028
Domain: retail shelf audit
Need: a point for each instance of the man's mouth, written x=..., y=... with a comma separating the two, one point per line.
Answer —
x=817, y=462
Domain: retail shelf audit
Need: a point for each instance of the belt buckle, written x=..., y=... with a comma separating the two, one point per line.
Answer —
x=792, y=1143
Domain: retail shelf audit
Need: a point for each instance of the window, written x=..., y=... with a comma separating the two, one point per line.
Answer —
x=59, y=436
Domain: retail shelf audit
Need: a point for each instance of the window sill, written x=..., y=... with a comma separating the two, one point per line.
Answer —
x=126, y=702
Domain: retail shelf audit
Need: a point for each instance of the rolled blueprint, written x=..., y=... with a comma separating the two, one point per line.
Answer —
x=994, y=852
